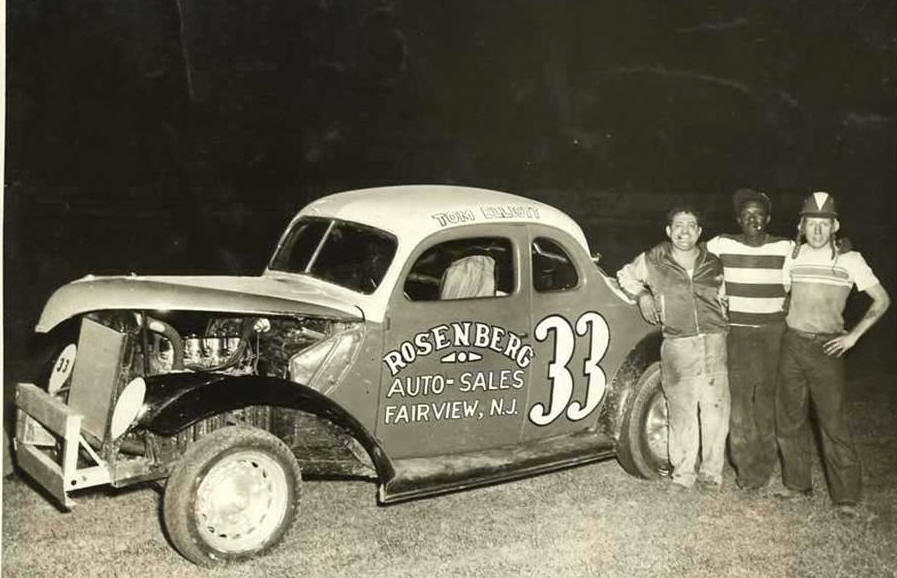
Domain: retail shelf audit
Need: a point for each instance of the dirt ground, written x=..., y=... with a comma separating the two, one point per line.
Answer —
x=588, y=521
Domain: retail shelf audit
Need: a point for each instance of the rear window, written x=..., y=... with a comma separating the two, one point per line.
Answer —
x=553, y=270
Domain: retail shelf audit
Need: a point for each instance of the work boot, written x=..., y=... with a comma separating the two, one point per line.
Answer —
x=787, y=493
x=847, y=511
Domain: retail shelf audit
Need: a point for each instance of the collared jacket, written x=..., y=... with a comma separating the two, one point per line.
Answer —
x=688, y=305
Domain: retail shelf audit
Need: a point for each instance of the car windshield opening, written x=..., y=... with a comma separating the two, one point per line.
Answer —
x=347, y=254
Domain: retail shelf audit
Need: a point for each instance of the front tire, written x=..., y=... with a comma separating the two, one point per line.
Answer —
x=232, y=497
x=644, y=434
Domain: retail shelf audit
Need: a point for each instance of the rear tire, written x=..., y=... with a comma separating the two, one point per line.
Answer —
x=644, y=434
x=232, y=497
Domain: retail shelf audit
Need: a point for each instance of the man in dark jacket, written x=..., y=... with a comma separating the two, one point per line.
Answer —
x=679, y=285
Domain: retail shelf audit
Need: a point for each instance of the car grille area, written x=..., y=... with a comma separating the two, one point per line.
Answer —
x=98, y=375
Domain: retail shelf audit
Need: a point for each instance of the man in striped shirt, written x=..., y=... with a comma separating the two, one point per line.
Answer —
x=752, y=267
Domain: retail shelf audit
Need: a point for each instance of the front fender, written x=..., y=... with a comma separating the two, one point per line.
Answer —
x=646, y=352
x=177, y=401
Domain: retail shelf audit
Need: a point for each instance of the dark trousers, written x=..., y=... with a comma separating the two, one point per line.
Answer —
x=753, y=354
x=806, y=372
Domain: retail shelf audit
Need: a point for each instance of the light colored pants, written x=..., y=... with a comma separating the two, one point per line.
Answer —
x=696, y=385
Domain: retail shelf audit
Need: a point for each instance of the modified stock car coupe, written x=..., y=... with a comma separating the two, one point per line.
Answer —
x=433, y=338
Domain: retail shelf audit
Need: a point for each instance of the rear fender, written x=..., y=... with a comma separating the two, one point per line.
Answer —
x=177, y=401
x=646, y=352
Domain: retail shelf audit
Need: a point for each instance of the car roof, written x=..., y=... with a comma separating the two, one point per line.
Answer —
x=413, y=212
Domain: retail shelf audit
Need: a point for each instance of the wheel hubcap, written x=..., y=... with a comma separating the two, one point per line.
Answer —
x=242, y=501
x=657, y=433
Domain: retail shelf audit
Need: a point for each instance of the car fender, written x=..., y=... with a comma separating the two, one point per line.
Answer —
x=176, y=401
x=645, y=352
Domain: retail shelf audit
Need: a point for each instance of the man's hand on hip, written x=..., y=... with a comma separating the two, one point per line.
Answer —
x=839, y=345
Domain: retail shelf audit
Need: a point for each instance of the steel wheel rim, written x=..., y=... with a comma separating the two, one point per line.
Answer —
x=242, y=501
x=656, y=432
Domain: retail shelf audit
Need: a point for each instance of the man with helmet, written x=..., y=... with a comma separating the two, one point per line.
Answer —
x=812, y=364
x=752, y=267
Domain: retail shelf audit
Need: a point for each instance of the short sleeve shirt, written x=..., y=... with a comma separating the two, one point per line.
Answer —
x=753, y=278
x=820, y=285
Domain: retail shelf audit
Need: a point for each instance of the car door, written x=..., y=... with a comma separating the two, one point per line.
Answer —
x=457, y=350
x=571, y=336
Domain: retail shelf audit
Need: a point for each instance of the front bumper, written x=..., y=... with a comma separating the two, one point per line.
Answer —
x=49, y=442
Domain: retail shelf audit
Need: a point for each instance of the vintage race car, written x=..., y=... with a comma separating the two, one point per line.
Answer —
x=435, y=338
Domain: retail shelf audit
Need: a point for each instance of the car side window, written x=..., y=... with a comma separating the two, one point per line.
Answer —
x=553, y=269
x=463, y=269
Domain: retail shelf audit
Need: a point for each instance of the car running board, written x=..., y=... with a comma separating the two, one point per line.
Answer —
x=422, y=477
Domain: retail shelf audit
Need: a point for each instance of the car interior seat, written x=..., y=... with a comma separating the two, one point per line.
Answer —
x=471, y=276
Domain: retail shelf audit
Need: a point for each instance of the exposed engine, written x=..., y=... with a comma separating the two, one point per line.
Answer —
x=114, y=349
x=201, y=342
x=226, y=345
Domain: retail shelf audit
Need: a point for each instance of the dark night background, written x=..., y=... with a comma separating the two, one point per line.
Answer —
x=177, y=136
